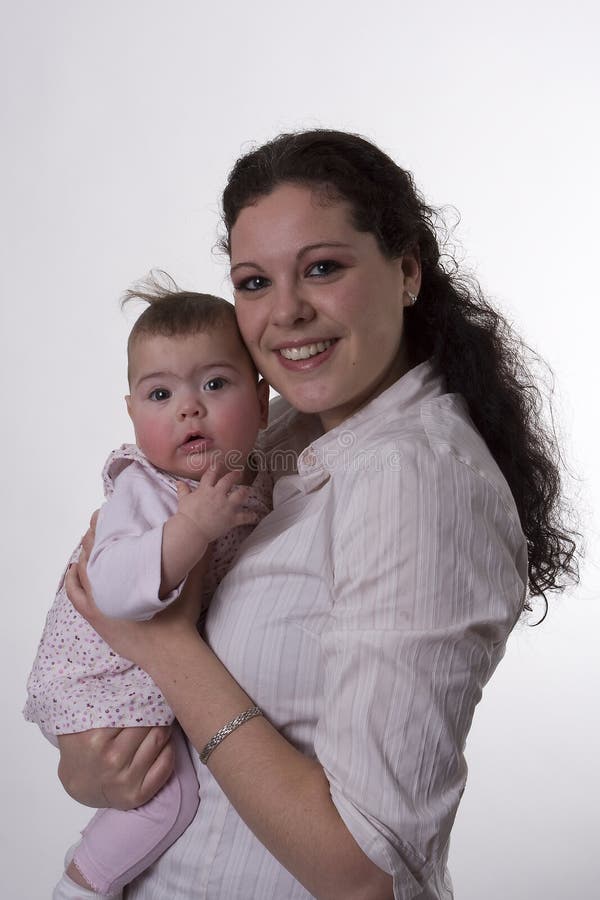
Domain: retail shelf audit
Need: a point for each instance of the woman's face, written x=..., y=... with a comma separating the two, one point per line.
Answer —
x=318, y=304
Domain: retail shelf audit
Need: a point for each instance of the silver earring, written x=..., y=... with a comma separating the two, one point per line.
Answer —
x=412, y=298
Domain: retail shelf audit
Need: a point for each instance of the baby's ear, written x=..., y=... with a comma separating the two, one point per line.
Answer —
x=262, y=389
x=128, y=404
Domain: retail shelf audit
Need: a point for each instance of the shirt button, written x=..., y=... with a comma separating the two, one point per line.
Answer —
x=309, y=458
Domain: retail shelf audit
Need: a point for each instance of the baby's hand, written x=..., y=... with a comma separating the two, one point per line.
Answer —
x=216, y=505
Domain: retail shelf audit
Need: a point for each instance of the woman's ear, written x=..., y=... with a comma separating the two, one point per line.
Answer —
x=411, y=270
x=262, y=390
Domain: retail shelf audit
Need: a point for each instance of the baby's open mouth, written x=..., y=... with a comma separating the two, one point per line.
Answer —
x=196, y=443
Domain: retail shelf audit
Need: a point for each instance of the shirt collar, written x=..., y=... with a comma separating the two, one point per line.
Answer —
x=418, y=385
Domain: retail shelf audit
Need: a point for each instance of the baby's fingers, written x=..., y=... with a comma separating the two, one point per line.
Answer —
x=230, y=480
x=209, y=477
x=245, y=517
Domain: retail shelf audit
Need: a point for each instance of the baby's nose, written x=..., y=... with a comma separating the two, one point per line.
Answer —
x=190, y=406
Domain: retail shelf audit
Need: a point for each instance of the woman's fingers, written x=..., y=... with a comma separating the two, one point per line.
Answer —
x=87, y=541
x=82, y=574
x=139, y=762
x=160, y=752
x=79, y=589
x=120, y=768
x=74, y=587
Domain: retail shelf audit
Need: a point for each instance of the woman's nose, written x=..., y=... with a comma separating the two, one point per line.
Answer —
x=290, y=305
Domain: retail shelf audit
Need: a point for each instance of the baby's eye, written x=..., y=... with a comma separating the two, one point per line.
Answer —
x=256, y=283
x=323, y=267
x=215, y=384
x=159, y=394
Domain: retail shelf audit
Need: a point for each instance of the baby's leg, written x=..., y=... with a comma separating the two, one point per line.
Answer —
x=117, y=846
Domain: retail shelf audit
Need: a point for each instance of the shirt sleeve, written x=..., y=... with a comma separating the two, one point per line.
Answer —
x=125, y=564
x=429, y=579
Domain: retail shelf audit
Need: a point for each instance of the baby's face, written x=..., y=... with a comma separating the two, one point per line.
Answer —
x=195, y=402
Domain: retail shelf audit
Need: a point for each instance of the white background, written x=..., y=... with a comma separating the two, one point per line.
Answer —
x=120, y=122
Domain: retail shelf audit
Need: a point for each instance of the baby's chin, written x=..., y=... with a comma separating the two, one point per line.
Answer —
x=196, y=468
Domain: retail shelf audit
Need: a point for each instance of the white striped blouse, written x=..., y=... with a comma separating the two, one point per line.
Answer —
x=364, y=616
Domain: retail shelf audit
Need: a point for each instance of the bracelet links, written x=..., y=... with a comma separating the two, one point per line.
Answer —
x=226, y=730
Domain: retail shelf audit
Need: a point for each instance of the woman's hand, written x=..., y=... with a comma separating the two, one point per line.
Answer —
x=136, y=641
x=117, y=767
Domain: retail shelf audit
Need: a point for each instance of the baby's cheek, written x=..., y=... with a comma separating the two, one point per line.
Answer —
x=151, y=439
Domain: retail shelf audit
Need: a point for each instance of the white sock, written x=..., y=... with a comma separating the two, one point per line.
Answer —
x=66, y=889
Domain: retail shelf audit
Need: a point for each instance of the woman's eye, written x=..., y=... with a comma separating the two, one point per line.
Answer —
x=159, y=394
x=256, y=283
x=215, y=384
x=323, y=267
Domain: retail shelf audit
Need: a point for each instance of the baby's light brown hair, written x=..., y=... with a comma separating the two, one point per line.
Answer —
x=172, y=312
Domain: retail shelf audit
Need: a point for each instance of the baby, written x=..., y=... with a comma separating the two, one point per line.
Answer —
x=197, y=405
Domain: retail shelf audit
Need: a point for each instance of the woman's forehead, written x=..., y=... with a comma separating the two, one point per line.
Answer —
x=291, y=216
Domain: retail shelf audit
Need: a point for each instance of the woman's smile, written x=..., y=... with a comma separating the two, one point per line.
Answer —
x=304, y=355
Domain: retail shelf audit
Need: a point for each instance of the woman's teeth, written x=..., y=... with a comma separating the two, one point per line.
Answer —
x=306, y=351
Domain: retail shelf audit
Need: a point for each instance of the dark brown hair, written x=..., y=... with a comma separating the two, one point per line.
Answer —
x=470, y=343
x=172, y=312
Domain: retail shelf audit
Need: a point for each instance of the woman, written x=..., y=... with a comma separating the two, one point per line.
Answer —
x=365, y=614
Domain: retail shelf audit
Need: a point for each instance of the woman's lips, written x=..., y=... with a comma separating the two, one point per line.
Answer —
x=309, y=362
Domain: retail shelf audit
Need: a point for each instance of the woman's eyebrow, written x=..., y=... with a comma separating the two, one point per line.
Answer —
x=320, y=245
x=299, y=255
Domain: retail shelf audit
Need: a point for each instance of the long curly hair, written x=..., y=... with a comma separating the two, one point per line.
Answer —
x=471, y=344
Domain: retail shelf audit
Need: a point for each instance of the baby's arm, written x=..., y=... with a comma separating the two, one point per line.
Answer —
x=204, y=514
x=126, y=563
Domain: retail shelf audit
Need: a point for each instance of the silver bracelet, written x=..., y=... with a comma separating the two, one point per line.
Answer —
x=226, y=730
